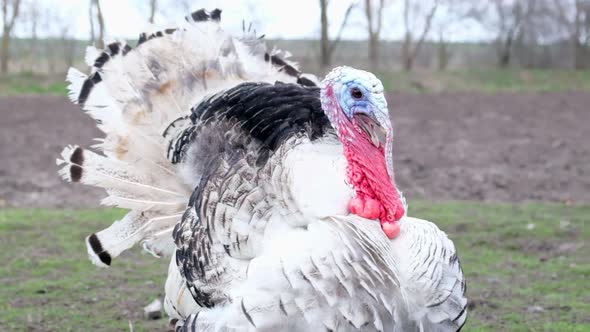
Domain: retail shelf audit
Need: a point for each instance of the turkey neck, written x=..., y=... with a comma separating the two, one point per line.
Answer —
x=371, y=174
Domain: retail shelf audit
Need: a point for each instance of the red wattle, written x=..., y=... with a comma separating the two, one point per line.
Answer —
x=391, y=229
x=376, y=196
x=366, y=208
x=355, y=206
x=372, y=209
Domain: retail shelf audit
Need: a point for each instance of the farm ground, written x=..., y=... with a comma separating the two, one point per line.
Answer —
x=504, y=147
x=527, y=263
x=526, y=268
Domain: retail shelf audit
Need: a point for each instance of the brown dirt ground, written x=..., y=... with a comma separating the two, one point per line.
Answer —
x=491, y=147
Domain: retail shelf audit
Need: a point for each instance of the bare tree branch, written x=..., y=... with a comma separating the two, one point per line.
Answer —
x=324, y=39
x=100, y=20
x=507, y=18
x=411, y=48
x=342, y=26
x=8, y=25
x=374, y=25
x=91, y=18
x=426, y=29
x=326, y=45
x=95, y=4
x=153, y=7
x=407, y=15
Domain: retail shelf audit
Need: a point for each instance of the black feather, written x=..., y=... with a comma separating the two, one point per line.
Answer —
x=203, y=299
x=200, y=15
x=101, y=60
x=269, y=113
x=114, y=48
x=142, y=38
x=279, y=62
x=76, y=173
x=126, y=49
x=77, y=160
x=216, y=15
x=87, y=86
x=97, y=248
x=305, y=81
x=77, y=156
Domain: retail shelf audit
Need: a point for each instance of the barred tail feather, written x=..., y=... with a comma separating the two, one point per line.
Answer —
x=153, y=200
x=117, y=177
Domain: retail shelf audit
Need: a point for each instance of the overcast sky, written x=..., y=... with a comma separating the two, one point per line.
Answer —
x=277, y=19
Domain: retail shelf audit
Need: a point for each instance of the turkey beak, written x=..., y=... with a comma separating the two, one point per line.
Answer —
x=369, y=123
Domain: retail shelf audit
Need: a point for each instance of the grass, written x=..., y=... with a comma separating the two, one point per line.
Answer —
x=488, y=80
x=476, y=80
x=32, y=84
x=50, y=285
x=527, y=268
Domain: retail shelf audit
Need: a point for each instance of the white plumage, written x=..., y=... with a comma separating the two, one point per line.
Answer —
x=246, y=187
x=140, y=93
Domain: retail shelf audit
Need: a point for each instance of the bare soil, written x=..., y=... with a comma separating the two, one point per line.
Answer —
x=473, y=146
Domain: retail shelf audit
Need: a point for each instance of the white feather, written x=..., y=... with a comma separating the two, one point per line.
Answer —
x=125, y=233
x=136, y=97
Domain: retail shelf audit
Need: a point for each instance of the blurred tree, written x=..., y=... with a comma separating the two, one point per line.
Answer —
x=174, y=9
x=412, y=12
x=91, y=18
x=10, y=12
x=67, y=41
x=453, y=17
x=31, y=18
x=510, y=20
x=153, y=7
x=510, y=17
x=185, y=5
x=328, y=46
x=374, y=13
x=537, y=29
x=455, y=13
x=443, y=53
x=95, y=6
x=58, y=52
x=574, y=17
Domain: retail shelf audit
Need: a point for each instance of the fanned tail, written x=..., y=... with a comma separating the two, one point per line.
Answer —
x=140, y=98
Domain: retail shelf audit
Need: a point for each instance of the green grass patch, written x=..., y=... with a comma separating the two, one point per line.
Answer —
x=527, y=268
x=32, y=84
x=487, y=80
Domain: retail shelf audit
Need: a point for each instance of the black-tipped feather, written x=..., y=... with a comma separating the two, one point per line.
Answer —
x=116, y=48
x=269, y=113
x=98, y=250
x=89, y=83
x=202, y=15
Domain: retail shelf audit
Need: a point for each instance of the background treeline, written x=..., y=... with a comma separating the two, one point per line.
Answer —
x=522, y=34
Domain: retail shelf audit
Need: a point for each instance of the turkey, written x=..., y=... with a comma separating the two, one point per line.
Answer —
x=275, y=198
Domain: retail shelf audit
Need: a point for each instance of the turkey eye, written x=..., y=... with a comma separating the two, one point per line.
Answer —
x=356, y=93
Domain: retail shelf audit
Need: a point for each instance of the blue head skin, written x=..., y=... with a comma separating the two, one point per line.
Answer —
x=360, y=99
x=354, y=102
